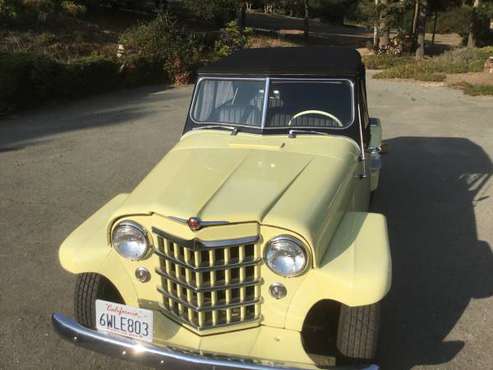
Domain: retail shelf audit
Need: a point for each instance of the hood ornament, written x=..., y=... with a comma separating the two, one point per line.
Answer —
x=195, y=223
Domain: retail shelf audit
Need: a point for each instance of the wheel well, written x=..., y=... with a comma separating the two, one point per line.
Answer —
x=109, y=292
x=319, y=332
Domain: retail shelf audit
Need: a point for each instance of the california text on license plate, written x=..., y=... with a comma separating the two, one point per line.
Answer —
x=120, y=319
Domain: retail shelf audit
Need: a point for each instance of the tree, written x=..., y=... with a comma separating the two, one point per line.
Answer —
x=242, y=14
x=384, y=26
x=421, y=28
x=471, y=39
x=306, y=22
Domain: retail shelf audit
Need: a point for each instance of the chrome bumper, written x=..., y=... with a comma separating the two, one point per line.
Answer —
x=158, y=357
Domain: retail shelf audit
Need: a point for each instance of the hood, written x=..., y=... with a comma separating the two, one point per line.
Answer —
x=267, y=179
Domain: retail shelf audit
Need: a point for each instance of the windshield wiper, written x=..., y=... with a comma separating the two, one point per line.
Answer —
x=234, y=130
x=292, y=133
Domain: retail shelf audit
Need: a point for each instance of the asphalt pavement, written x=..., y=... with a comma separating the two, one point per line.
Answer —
x=60, y=164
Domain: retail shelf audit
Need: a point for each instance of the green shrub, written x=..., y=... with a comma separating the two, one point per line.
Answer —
x=138, y=71
x=231, y=39
x=73, y=9
x=89, y=75
x=217, y=12
x=475, y=90
x=163, y=42
x=27, y=79
x=384, y=61
x=455, y=61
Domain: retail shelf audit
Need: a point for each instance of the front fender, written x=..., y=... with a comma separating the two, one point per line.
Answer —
x=86, y=249
x=355, y=270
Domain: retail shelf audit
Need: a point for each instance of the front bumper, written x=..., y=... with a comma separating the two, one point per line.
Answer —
x=161, y=357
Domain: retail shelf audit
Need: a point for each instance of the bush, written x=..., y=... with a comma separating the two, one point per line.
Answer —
x=73, y=9
x=25, y=79
x=475, y=90
x=28, y=79
x=384, y=61
x=89, y=75
x=455, y=61
x=217, y=12
x=231, y=39
x=162, y=42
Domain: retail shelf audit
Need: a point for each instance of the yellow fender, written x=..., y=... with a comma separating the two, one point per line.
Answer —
x=86, y=249
x=356, y=269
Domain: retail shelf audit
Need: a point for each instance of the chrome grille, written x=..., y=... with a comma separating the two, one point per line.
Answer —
x=209, y=284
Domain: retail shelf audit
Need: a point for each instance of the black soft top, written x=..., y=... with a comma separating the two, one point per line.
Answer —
x=292, y=61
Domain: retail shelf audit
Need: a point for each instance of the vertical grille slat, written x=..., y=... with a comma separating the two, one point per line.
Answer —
x=206, y=287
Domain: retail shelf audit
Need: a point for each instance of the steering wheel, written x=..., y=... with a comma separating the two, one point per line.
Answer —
x=319, y=112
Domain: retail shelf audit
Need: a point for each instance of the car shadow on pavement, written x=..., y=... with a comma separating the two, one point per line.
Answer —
x=429, y=190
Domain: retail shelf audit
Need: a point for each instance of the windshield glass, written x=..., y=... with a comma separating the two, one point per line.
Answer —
x=229, y=101
x=310, y=104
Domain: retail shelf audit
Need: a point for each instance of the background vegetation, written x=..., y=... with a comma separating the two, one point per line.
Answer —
x=58, y=49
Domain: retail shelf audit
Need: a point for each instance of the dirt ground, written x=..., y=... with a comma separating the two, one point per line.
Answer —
x=59, y=165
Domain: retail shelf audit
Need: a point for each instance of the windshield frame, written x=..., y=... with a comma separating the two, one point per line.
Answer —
x=265, y=105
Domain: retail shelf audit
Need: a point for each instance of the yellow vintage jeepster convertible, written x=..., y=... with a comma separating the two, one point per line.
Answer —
x=250, y=244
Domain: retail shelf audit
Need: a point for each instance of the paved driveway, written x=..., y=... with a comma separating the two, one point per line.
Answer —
x=59, y=165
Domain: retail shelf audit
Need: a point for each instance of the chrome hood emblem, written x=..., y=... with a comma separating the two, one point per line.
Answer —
x=195, y=223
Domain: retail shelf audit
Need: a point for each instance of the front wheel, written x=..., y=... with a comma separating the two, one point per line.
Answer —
x=88, y=288
x=357, y=335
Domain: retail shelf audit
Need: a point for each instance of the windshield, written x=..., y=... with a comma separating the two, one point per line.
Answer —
x=229, y=101
x=313, y=104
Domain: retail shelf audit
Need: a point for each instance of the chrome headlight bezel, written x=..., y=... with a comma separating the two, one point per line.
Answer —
x=135, y=228
x=297, y=244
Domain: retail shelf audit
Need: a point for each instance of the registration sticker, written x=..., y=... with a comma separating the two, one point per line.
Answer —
x=114, y=318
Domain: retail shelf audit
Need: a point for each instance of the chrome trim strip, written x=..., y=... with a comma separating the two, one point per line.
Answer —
x=197, y=243
x=362, y=148
x=208, y=288
x=266, y=102
x=210, y=308
x=202, y=223
x=208, y=268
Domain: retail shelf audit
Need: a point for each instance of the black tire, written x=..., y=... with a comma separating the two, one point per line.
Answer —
x=357, y=335
x=88, y=288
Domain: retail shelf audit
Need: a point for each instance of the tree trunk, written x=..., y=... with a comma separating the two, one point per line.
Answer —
x=471, y=39
x=421, y=29
x=242, y=14
x=435, y=21
x=415, y=18
x=384, y=24
x=306, y=20
x=375, y=30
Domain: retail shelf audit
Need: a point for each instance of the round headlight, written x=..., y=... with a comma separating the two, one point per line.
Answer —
x=130, y=240
x=286, y=256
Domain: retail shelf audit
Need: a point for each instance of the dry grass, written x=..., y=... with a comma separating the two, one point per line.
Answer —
x=261, y=41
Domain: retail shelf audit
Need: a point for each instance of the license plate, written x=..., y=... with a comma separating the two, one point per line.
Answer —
x=114, y=318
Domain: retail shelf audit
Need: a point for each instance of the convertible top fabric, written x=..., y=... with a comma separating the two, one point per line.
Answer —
x=293, y=61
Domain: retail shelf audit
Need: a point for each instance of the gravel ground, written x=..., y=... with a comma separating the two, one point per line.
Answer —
x=59, y=165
